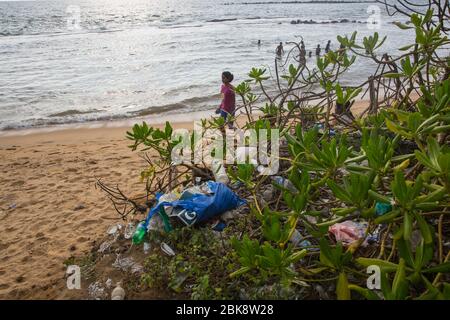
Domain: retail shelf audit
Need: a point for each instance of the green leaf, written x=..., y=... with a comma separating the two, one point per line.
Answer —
x=399, y=283
x=366, y=293
x=239, y=272
x=402, y=26
x=407, y=226
x=342, y=289
x=384, y=265
x=424, y=229
x=441, y=268
x=378, y=197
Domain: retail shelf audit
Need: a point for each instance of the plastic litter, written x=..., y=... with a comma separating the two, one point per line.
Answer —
x=348, y=232
x=219, y=226
x=218, y=169
x=129, y=230
x=104, y=247
x=146, y=247
x=127, y=264
x=321, y=129
x=285, y=183
x=96, y=291
x=139, y=234
x=187, y=217
x=156, y=224
x=374, y=236
x=118, y=293
x=382, y=208
x=113, y=229
x=12, y=206
x=200, y=206
x=108, y=283
x=166, y=249
x=298, y=240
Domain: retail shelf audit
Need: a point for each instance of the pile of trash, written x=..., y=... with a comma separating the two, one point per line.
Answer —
x=193, y=205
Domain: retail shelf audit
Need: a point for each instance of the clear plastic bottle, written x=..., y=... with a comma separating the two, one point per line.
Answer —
x=285, y=183
x=118, y=293
x=129, y=230
x=218, y=169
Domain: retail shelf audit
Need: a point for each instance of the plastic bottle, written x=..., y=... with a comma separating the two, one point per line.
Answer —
x=219, y=171
x=382, y=208
x=139, y=234
x=129, y=230
x=118, y=293
x=296, y=237
x=284, y=183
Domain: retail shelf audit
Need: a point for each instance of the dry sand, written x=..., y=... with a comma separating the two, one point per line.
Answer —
x=50, y=209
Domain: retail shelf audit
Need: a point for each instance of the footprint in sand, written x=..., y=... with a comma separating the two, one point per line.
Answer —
x=82, y=239
x=87, y=222
x=40, y=235
x=4, y=286
x=26, y=259
x=10, y=229
x=18, y=183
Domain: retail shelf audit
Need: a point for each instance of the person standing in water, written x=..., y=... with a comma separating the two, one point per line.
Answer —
x=327, y=48
x=318, y=50
x=228, y=104
x=280, y=50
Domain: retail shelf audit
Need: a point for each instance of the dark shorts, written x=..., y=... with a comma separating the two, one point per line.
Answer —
x=225, y=114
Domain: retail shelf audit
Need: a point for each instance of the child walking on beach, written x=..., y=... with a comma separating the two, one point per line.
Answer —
x=228, y=105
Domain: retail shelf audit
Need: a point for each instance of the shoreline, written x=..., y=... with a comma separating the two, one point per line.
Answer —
x=179, y=120
x=106, y=124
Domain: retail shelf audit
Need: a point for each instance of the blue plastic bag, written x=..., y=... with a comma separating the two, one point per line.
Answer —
x=205, y=206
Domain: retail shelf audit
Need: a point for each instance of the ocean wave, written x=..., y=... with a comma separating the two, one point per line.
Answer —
x=297, y=2
x=72, y=112
x=325, y=21
x=232, y=19
x=222, y=20
x=184, y=105
x=176, y=26
x=11, y=33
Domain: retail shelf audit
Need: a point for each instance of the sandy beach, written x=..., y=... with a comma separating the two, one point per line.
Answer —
x=50, y=209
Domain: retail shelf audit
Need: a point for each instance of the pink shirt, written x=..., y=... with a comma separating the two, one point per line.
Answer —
x=229, y=99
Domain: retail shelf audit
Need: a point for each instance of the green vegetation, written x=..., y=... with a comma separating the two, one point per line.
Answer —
x=398, y=154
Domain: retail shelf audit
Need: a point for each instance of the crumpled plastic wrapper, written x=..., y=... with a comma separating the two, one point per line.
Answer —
x=348, y=232
x=96, y=291
x=127, y=264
